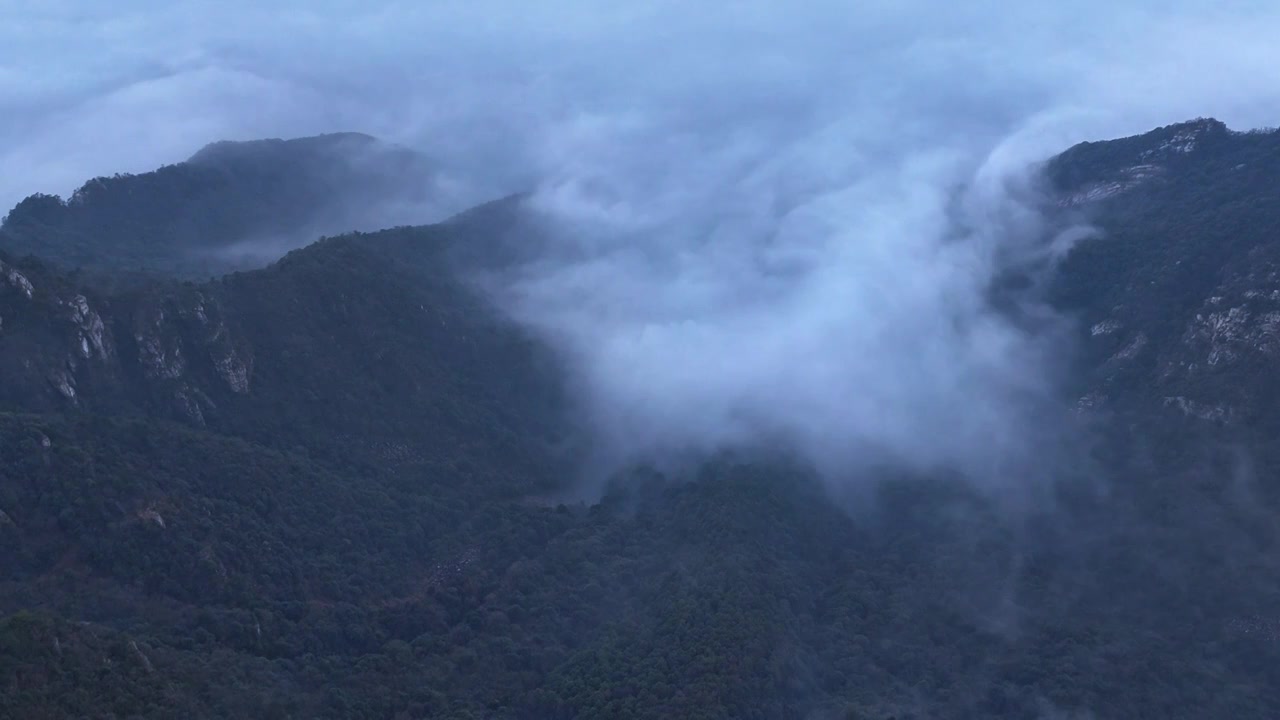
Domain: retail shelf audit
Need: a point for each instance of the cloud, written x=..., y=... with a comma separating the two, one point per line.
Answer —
x=778, y=220
x=775, y=293
x=484, y=85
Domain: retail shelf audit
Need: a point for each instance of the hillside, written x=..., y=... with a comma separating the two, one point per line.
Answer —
x=232, y=205
x=330, y=487
x=341, y=347
x=1178, y=297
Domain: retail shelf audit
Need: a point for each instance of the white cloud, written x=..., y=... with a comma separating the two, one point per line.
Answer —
x=764, y=190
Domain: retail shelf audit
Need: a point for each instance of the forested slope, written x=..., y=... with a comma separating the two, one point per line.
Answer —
x=331, y=487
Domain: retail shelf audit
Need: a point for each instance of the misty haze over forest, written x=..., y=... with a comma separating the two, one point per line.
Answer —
x=724, y=175
x=619, y=341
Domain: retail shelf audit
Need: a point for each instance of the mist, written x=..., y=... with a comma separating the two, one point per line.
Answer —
x=773, y=222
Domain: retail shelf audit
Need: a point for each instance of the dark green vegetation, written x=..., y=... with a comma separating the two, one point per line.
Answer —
x=320, y=489
x=1179, y=295
x=229, y=206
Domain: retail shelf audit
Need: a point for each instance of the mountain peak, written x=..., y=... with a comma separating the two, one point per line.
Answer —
x=1184, y=136
x=341, y=141
x=1092, y=171
x=1199, y=124
x=231, y=205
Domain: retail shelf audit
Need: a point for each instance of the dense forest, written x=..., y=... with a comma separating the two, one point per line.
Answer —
x=343, y=485
x=227, y=207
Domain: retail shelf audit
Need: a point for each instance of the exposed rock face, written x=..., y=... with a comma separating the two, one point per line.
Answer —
x=93, y=338
x=64, y=382
x=1224, y=336
x=1130, y=351
x=234, y=370
x=1125, y=180
x=150, y=515
x=1179, y=293
x=159, y=352
x=230, y=358
x=1212, y=413
x=17, y=281
x=1093, y=172
x=141, y=657
x=173, y=333
x=1184, y=139
x=64, y=345
x=189, y=406
x=1106, y=327
x=1221, y=338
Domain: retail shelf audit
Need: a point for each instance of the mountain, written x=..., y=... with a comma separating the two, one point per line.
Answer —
x=232, y=205
x=328, y=487
x=1178, y=294
x=340, y=339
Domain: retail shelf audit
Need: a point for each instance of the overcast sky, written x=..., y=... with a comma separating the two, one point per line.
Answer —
x=91, y=88
x=764, y=186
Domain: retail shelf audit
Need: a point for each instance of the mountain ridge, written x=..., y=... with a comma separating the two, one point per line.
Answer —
x=232, y=205
x=317, y=489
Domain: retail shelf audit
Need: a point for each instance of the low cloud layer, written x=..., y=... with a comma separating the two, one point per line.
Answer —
x=778, y=221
